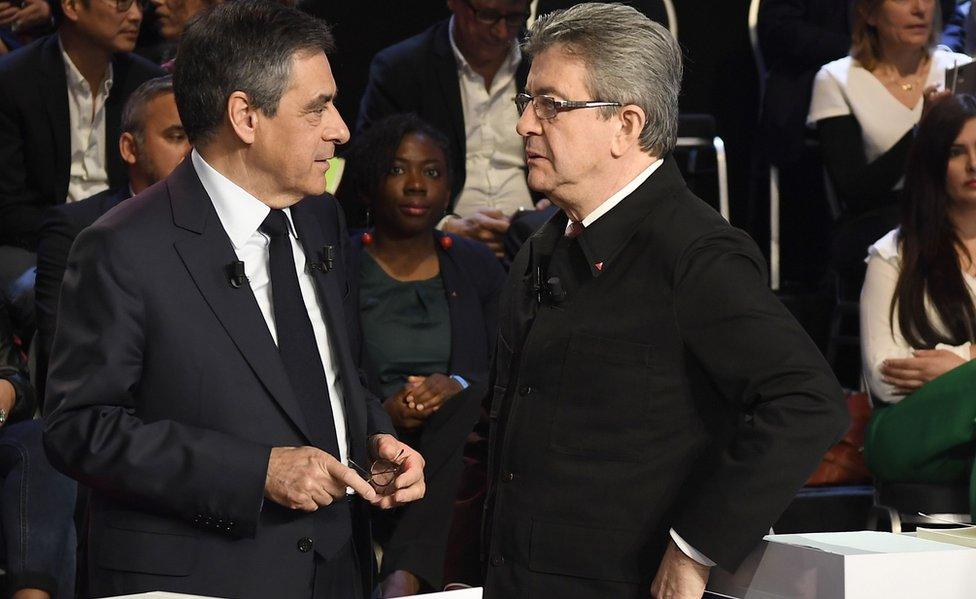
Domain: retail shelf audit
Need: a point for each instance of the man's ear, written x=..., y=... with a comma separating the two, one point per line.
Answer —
x=242, y=116
x=631, y=119
x=128, y=149
x=70, y=9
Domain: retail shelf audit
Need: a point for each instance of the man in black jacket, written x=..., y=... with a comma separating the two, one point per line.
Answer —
x=151, y=145
x=61, y=101
x=654, y=406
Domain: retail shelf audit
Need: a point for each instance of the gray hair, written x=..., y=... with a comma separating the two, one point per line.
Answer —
x=134, y=112
x=629, y=59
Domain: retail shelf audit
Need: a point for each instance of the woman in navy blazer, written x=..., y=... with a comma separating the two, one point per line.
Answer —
x=428, y=309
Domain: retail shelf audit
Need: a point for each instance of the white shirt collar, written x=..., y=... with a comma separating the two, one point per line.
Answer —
x=75, y=78
x=624, y=191
x=510, y=65
x=239, y=212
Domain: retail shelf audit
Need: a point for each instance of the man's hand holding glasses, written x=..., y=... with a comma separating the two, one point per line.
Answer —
x=396, y=472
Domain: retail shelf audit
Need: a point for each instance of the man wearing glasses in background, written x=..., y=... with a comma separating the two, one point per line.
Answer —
x=461, y=75
x=61, y=99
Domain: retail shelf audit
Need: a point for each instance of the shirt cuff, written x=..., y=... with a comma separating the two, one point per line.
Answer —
x=960, y=350
x=460, y=381
x=690, y=551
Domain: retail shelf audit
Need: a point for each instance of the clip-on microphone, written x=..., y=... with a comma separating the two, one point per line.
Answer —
x=326, y=259
x=235, y=274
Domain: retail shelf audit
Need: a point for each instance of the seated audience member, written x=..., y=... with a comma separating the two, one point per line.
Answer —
x=427, y=304
x=171, y=18
x=797, y=37
x=918, y=317
x=61, y=99
x=36, y=502
x=865, y=107
x=151, y=145
x=460, y=76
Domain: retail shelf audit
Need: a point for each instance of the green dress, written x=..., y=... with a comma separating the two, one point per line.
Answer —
x=406, y=326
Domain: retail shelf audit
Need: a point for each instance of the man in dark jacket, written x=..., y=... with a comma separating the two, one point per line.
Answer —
x=654, y=406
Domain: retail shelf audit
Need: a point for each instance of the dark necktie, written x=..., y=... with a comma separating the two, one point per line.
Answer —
x=574, y=229
x=296, y=341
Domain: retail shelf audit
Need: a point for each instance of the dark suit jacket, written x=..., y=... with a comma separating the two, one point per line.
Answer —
x=166, y=393
x=669, y=389
x=35, y=141
x=419, y=75
x=414, y=538
x=797, y=37
x=59, y=227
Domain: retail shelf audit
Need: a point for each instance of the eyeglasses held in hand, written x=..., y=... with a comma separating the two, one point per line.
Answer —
x=547, y=107
x=382, y=472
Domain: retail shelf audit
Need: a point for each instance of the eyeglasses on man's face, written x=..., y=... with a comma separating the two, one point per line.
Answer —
x=546, y=107
x=490, y=16
x=125, y=5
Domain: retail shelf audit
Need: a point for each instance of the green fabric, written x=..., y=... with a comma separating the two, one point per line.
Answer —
x=928, y=437
x=406, y=326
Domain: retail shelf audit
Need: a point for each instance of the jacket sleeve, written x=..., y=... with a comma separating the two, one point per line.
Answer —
x=20, y=207
x=54, y=242
x=383, y=96
x=95, y=431
x=789, y=404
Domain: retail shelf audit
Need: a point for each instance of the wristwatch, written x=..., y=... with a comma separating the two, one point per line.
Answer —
x=3, y=416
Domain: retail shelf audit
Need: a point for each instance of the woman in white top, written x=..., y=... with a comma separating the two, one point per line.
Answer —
x=866, y=105
x=918, y=316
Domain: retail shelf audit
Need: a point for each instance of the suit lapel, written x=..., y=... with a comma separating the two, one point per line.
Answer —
x=312, y=239
x=54, y=91
x=446, y=69
x=206, y=257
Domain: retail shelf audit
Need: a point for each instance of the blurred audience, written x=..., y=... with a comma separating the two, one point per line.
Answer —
x=36, y=502
x=918, y=318
x=151, y=145
x=427, y=307
x=461, y=75
x=171, y=17
x=797, y=37
x=22, y=21
x=61, y=98
x=865, y=107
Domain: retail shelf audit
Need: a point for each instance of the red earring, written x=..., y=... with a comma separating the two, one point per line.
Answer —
x=367, y=237
x=446, y=242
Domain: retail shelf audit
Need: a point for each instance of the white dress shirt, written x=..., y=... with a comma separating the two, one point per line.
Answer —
x=494, y=161
x=241, y=214
x=881, y=337
x=591, y=218
x=86, y=116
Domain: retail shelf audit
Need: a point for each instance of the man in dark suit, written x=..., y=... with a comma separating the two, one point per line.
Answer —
x=151, y=145
x=654, y=406
x=95, y=38
x=61, y=101
x=202, y=378
x=460, y=76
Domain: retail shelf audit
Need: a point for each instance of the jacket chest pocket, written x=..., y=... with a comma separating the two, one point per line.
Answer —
x=602, y=409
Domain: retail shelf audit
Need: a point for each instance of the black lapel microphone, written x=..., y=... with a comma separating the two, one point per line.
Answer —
x=235, y=274
x=555, y=291
x=326, y=259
